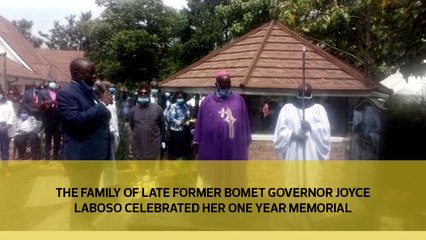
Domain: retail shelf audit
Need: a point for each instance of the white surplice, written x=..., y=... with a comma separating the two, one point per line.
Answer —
x=318, y=141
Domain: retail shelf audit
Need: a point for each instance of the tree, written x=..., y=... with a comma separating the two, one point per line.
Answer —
x=406, y=48
x=241, y=16
x=70, y=36
x=136, y=40
x=203, y=31
x=25, y=26
x=130, y=55
x=373, y=35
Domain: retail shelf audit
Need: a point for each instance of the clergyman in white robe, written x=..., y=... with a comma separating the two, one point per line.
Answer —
x=317, y=146
x=304, y=174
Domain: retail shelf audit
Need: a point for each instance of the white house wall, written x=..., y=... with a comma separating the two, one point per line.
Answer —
x=4, y=47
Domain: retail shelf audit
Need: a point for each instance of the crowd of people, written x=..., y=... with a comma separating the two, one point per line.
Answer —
x=79, y=121
x=27, y=120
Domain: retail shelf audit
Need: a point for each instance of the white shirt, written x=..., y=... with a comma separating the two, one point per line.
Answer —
x=26, y=126
x=113, y=124
x=7, y=114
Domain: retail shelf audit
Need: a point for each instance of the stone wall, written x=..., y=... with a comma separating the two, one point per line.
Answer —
x=264, y=149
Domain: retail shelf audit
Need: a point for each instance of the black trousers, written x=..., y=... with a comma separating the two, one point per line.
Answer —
x=180, y=145
x=21, y=142
x=49, y=136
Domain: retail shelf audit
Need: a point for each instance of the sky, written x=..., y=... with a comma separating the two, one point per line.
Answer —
x=44, y=12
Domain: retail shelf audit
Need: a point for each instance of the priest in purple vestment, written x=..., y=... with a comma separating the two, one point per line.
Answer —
x=222, y=130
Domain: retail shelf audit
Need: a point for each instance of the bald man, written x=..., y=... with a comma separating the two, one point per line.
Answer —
x=84, y=117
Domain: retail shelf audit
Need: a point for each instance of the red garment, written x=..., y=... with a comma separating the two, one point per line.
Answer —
x=52, y=95
x=35, y=99
x=265, y=110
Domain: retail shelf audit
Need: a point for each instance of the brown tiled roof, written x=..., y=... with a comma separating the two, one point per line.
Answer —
x=23, y=48
x=269, y=58
x=17, y=70
x=59, y=63
x=46, y=64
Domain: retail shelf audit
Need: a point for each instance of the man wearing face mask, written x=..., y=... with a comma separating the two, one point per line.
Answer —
x=303, y=130
x=222, y=130
x=50, y=119
x=156, y=95
x=146, y=121
x=27, y=132
x=178, y=120
x=84, y=117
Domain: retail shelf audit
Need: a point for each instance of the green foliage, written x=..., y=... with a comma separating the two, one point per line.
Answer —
x=402, y=111
x=71, y=36
x=203, y=31
x=241, y=16
x=25, y=26
x=144, y=39
x=136, y=41
x=129, y=55
x=372, y=35
x=406, y=126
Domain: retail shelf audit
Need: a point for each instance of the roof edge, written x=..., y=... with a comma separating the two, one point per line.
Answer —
x=282, y=92
x=215, y=53
x=13, y=52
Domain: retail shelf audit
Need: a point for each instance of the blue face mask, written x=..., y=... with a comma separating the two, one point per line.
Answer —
x=180, y=101
x=223, y=93
x=112, y=90
x=24, y=116
x=143, y=100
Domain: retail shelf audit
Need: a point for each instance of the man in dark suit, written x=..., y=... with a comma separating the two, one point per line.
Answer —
x=84, y=117
x=49, y=117
x=85, y=124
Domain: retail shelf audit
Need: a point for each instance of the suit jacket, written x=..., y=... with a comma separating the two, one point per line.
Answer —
x=48, y=113
x=85, y=123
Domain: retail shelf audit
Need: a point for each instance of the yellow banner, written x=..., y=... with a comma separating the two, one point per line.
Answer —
x=213, y=195
x=349, y=235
